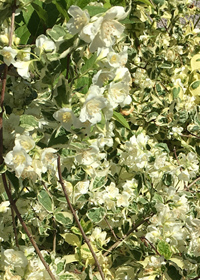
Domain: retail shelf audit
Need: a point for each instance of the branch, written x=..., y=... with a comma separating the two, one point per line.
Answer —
x=134, y=227
x=13, y=222
x=77, y=220
x=13, y=205
x=190, y=185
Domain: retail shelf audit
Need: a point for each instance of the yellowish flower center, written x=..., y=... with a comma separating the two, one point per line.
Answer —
x=66, y=117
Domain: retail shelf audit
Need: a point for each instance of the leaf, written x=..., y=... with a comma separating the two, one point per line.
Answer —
x=71, y=239
x=64, y=218
x=58, y=138
x=57, y=33
x=87, y=226
x=164, y=249
x=13, y=179
x=28, y=122
x=23, y=33
x=45, y=200
x=70, y=258
x=3, y=168
x=61, y=7
x=152, y=129
x=94, y=10
x=41, y=12
x=163, y=146
x=175, y=92
x=147, y=2
x=118, y=117
x=195, y=88
x=167, y=179
x=96, y=214
x=195, y=62
x=89, y=64
x=63, y=93
x=172, y=272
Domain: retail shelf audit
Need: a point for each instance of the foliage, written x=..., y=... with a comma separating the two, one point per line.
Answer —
x=111, y=89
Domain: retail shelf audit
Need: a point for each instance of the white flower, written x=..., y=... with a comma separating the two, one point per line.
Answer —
x=79, y=19
x=49, y=158
x=67, y=118
x=95, y=102
x=118, y=94
x=9, y=55
x=23, y=68
x=103, y=31
x=82, y=187
x=14, y=258
x=4, y=206
x=18, y=159
x=117, y=59
x=122, y=74
x=99, y=236
x=44, y=44
x=102, y=77
x=26, y=142
x=123, y=199
x=88, y=157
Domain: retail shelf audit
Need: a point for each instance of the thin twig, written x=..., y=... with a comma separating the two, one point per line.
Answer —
x=54, y=235
x=13, y=222
x=77, y=220
x=190, y=185
x=134, y=227
x=113, y=233
x=152, y=246
x=25, y=227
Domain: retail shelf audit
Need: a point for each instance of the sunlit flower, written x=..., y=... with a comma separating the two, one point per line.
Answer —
x=79, y=19
x=9, y=55
x=44, y=44
x=18, y=159
x=67, y=118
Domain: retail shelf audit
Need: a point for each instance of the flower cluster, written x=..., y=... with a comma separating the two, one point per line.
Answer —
x=113, y=92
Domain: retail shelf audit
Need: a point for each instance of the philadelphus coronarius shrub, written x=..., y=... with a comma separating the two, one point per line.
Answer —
x=103, y=99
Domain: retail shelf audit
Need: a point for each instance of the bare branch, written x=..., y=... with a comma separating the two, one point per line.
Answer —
x=77, y=220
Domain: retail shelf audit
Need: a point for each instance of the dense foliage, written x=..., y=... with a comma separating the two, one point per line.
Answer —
x=101, y=100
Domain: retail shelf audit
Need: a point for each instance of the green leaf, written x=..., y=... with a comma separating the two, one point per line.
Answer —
x=13, y=179
x=164, y=249
x=23, y=33
x=3, y=168
x=173, y=272
x=63, y=93
x=87, y=226
x=167, y=179
x=118, y=117
x=41, y=12
x=163, y=146
x=28, y=122
x=57, y=33
x=58, y=138
x=147, y=2
x=158, y=2
x=64, y=218
x=152, y=129
x=94, y=10
x=61, y=7
x=82, y=3
x=96, y=214
x=195, y=85
x=83, y=84
x=45, y=200
x=89, y=64
x=71, y=239
x=175, y=92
